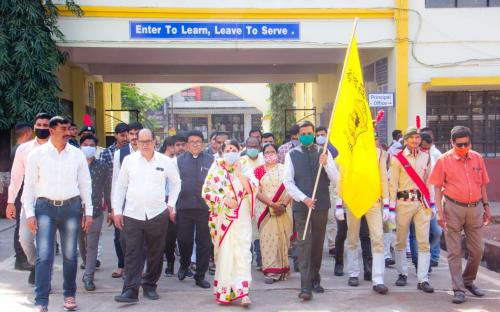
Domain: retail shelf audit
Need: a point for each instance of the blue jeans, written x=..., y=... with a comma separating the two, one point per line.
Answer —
x=435, y=232
x=256, y=249
x=51, y=218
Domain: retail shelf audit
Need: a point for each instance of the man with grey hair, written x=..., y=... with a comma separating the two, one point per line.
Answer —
x=144, y=216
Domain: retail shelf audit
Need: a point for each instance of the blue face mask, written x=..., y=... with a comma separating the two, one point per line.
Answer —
x=252, y=152
x=231, y=157
x=320, y=139
x=88, y=151
x=295, y=142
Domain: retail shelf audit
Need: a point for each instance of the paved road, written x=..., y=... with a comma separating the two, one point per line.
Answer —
x=16, y=295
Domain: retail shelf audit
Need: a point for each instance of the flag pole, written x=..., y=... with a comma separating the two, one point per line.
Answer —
x=325, y=145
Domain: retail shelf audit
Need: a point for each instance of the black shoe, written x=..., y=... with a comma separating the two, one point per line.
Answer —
x=150, y=293
x=458, y=297
x=339, y=269
x=389, y=262
x=23, y=266
x=401, y=280
x=353, y=281
x=89, y=285
x=57, y=248
x=128, y=296
x=203, y=283
x=305, y=294
x=169, y=270
x=31, y=278
x=82, y=266
x=476, y=291
x=425, y=287
x=182, y=273
x=317, y=288
x=381, y=289
x=98, y=264
x=434, y=263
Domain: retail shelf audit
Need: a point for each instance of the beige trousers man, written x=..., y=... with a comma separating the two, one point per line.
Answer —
x=470, y=220
x=331, y=225
x=374, y=219
x=406, y=212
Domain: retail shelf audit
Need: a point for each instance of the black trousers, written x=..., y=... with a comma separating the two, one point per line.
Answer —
x=18, y=249
x=119, y=249
x=311, y=248
x=192, y=225
x=170, y=241
x=150, y=233
x=364, y=238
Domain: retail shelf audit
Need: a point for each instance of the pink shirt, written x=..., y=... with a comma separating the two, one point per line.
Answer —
x=460, y=178
x=19, y=167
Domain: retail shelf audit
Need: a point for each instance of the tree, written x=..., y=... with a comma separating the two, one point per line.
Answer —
x=29, y=59
x=134, y=99
x=281, y=99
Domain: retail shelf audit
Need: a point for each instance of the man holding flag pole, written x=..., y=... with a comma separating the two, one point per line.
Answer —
x=353, y=137
x=301, y=165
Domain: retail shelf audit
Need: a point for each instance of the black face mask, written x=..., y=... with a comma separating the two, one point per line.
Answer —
x=42, y=133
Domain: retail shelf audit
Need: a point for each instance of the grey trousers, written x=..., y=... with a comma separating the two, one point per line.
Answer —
x=88, y=244
x=27, y=239
x=311, y=248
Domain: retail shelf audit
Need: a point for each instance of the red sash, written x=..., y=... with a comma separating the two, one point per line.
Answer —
x=275, y=198
x=415, y=178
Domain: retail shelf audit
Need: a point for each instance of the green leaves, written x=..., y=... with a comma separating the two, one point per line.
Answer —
x=29, y=59
x=281, y=99
x=133, y=98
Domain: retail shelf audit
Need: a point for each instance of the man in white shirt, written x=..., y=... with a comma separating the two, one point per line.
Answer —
x=396, y=145
x=26, y=238
x=141, y=186
x=118, y=157
x=301, y=166
x=56, y=183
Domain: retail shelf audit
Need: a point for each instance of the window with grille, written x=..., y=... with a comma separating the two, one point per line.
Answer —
x=478, y=110
x=461, y=3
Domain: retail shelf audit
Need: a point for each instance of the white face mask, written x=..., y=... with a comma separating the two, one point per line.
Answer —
x=231, y=157
x=88, y=151
x=320, y=139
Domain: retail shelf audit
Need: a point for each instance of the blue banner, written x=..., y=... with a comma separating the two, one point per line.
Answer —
x=214, y=31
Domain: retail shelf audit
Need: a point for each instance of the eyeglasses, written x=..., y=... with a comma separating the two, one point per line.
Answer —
x=195, y=142
x=147, y=142
x=462, y=144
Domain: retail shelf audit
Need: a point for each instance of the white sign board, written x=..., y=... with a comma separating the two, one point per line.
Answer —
x=381, y=99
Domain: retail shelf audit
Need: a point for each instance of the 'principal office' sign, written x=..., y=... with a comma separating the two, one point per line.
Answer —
x=214, y=31
x=381, y=99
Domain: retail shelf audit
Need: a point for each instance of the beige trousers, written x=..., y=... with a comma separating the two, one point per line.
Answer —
x=374, y=219
x=407, y=211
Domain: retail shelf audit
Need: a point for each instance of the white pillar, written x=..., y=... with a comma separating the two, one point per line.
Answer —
x=247, y=124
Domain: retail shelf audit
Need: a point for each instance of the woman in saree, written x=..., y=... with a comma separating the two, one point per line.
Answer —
x=229, y=191
x=274, y=217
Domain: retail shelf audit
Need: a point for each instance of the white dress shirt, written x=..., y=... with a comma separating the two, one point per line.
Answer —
x=141, y=185
x=435, y=153
x=116, y=167
x=56, y=176
x=289, y=175
x=19, y=167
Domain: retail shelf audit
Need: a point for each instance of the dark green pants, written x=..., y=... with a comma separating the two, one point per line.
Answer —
x=310, y=249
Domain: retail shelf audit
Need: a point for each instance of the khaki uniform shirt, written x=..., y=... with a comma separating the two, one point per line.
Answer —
x=400, y=181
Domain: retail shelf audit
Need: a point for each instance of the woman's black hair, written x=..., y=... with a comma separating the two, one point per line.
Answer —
x=232, y=142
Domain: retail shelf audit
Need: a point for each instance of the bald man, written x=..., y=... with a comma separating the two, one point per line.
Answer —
x=144, y=217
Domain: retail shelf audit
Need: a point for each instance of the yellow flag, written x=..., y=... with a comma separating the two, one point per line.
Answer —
x=351, y=132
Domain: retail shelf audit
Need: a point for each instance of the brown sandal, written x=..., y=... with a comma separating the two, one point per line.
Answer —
x=116, y=275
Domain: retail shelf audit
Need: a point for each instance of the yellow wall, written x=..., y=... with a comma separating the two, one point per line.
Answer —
x=73, y=82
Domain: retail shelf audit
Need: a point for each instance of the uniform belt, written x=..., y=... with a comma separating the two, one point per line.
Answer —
x=467, y=205
x=411, y=195
x=59, y=203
